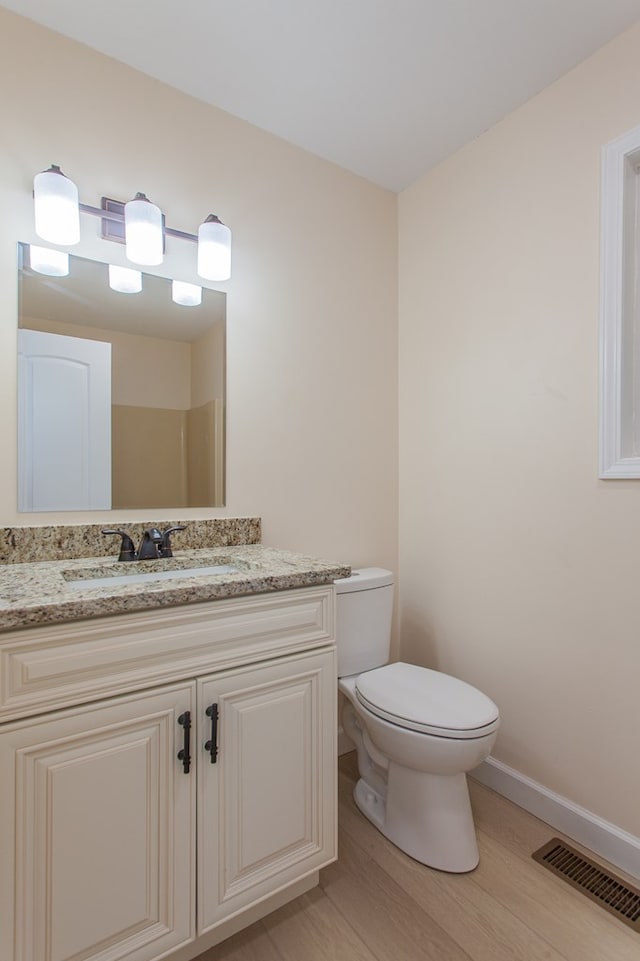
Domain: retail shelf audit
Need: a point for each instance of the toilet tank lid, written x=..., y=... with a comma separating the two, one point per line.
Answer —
x=364, y=579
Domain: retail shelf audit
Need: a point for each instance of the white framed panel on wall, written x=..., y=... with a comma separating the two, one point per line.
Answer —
x=620, y=309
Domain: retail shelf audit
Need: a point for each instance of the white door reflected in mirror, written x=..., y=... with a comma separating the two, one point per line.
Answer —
x=64, y=412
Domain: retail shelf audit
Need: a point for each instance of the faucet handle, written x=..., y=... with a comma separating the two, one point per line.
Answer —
x=166, y=540
x=127, y=550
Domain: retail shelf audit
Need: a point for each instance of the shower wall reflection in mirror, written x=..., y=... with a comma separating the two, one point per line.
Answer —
x=121, y=397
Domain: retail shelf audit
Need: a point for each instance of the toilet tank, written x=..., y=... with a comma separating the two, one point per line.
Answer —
x=364, y=602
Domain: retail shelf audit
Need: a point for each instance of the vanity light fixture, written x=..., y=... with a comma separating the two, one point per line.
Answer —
x=214, y=249
x=187, y=295
x=125, y=280
x=53, y=263
x=56, y=207
x=143, y=232
x=139, y=224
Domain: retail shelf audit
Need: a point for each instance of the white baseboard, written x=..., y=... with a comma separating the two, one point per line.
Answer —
x=610, y=842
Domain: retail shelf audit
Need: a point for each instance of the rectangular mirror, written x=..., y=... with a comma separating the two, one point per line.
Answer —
x=121, y=397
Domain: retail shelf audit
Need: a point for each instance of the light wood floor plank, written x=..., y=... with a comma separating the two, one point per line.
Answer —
x=252, y=944
x=392, y=924
x=499, y=818
x=472, y=917
x=312, y=929
x=577, y=927
x=518, y=830
x=377, y=904
x=507, y=838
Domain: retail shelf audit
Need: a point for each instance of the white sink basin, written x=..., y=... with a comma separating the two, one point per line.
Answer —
x=88, y=583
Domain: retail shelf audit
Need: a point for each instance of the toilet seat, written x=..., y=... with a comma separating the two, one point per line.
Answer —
x=427, y=701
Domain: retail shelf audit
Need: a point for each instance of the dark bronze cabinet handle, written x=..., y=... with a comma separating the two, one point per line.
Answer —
x=184, y=755
x=212, y=745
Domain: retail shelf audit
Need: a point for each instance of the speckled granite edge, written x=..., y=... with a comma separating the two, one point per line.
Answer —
x=40, y=593
x=28, y=545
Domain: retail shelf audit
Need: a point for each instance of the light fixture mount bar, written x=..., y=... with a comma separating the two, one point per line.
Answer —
x=112, y=215
x=181, y=234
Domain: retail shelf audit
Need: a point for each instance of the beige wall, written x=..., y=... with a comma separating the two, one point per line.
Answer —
x=149, y=457
x=201, y=456
x=519, y=568
x=207, y=372
x=150, y=371
x=146, y=371
x=311, y=307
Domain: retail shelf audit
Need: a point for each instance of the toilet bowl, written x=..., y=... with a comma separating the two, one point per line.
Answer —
x=416, y=731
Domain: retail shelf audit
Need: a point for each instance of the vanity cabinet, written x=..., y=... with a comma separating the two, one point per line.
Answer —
x=140, y=821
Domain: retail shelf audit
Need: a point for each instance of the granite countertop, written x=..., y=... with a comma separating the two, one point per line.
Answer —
x=47, y=592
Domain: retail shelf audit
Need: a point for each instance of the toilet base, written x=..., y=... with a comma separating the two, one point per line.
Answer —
x=428, y=816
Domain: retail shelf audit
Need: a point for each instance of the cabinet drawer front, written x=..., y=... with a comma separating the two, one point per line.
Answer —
x=43, y=668
x=97, y=832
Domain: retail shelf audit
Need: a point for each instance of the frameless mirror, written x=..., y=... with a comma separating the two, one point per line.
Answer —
x=121, y=397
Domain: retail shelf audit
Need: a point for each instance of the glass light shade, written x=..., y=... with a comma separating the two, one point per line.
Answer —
x=55, y=201
x=54, y=263
x=143, y=231
x=187, y=295
x=214, y=249
x=125, y=280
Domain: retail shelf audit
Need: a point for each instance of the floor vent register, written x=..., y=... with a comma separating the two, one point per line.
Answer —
x=606, y=889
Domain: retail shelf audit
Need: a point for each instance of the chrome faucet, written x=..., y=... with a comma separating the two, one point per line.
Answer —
x=153, y=544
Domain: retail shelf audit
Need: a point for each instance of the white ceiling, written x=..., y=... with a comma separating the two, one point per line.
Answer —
x=385, y=88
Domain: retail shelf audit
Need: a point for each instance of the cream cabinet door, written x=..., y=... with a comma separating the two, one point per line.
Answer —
x=97, y=832
x=266, y=781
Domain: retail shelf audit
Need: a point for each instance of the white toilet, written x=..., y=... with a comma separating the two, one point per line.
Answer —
x=416, y=732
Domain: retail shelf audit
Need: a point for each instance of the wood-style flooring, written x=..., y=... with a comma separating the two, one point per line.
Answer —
x=377, y=904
